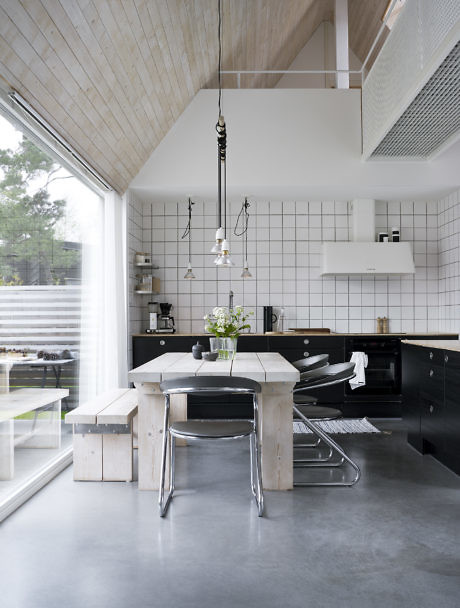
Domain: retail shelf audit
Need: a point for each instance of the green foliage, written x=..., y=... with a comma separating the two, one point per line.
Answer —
x=28, y=217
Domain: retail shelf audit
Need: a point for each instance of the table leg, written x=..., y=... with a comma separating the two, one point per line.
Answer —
x=5, y=377
x=45, y=373
x=57, y=369
x=46, y=430
x=150, y=431
x=276, y=435
x=6, y=450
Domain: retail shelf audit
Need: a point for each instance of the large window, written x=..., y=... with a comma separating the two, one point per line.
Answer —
x=47, y=218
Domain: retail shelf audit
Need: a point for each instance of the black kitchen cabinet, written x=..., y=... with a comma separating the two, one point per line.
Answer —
x=431, y=402
x=293, y=347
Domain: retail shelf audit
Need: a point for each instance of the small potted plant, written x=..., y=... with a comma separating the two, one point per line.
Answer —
x=226, y=325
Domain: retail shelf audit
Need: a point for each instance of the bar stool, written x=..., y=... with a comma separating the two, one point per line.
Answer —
x=311, y=414
x=211, y=430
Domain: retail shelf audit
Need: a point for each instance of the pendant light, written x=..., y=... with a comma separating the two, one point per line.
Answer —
x=243, y=215
x=222, y=246
x=188, y=232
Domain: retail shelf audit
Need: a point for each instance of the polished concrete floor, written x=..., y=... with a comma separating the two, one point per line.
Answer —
x=392, y=540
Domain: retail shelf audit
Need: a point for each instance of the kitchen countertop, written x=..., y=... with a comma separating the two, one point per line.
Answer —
x=440, y=344
x=292, y=333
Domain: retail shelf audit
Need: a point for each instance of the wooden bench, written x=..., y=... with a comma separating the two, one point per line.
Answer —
x=103, y=436
x=45, y=432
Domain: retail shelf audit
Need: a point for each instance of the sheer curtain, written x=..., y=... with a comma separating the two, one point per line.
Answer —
x=104, y=349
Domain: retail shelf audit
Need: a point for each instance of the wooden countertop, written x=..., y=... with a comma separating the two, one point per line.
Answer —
x=439, y=344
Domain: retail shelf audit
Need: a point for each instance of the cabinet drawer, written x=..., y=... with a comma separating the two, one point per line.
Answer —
x=431, y=419
x=451, y=361
x=326, y=343
x=431, y=356
x=431, y=380
x=252, y=344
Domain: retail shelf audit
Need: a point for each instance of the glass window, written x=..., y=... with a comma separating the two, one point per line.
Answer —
x=46, y=222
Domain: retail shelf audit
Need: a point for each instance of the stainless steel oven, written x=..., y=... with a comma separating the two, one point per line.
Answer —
x=383, y=372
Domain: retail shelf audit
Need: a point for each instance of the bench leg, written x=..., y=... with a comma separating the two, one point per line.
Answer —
x=117, y=457
x=47, y=429
x=6, y=450
x=87, y=457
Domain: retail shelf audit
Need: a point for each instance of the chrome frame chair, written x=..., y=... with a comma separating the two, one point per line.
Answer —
x=320, y=378
x=211, y=430
x=305, y=365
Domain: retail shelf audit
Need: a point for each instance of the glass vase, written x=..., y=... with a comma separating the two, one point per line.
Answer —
x=226, y=347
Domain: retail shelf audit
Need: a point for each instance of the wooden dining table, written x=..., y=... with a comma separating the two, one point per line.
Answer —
x=277, y=378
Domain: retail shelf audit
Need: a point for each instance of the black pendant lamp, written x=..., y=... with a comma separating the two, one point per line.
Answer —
x=222, y=246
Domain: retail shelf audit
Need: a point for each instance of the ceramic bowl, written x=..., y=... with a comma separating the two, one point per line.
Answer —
x=210, y=356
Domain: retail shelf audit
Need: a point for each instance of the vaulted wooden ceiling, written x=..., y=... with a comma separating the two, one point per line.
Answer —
x=112, y=76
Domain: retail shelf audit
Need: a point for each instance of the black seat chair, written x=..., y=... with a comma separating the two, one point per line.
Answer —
x=211, y=430
x=311, y=414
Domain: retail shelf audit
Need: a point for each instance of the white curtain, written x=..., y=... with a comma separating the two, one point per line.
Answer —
x=103, y=358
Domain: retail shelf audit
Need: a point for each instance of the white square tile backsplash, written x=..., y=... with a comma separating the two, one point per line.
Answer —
x=284, y=258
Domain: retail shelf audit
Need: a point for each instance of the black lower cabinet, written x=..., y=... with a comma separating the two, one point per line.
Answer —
x=431, y=402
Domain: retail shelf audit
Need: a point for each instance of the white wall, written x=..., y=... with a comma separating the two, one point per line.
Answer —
x=318, y=54
x=135, y=221
x=291, y=144
x=449, y=262
x=284, y=257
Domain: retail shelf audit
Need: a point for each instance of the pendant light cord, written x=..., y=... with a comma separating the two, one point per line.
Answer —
x=243, y=216
x=219, y=11
x=221, y=137
x=188, y=229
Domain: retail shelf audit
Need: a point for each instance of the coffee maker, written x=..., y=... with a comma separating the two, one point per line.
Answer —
x=165, y=319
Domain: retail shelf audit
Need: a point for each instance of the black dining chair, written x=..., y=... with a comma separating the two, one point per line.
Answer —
x=310, y=414
x=211, y=430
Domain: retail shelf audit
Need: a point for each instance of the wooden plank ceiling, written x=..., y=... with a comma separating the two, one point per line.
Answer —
x=112, y=76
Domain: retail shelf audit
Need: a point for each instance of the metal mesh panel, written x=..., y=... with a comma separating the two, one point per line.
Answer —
x=431, y=118
x=419, y=42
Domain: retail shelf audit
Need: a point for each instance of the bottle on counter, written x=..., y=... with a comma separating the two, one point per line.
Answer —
x=385, y=325
x=379, y=325
x=383, y=237
x=395, y=235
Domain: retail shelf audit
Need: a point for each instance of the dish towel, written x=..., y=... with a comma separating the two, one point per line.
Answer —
x=360, y=361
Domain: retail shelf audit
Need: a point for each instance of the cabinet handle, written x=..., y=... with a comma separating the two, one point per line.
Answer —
x=431, y=355
x=431, y=373
x=306, y=341
x=446, y=358
x=306, y=354
x=431, y=409
x=162, y=342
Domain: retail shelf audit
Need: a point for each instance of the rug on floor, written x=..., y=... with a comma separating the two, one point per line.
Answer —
x=344, y=425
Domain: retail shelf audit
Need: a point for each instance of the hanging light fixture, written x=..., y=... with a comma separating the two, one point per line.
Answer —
x=243, y=216
x=222, y=246
x=188, y=232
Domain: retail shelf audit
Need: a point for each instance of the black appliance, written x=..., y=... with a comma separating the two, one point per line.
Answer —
x=269, y=318
x=383, y=372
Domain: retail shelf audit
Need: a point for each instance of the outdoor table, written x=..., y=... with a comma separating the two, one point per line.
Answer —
x=277, y=378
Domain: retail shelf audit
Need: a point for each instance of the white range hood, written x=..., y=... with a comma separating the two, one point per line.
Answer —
x=366, y=258
x=363, y=255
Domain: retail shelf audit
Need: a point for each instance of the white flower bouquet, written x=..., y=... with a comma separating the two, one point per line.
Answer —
x=225, y=323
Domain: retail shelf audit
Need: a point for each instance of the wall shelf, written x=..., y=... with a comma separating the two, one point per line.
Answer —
x=146, y=292
x=142, y=265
